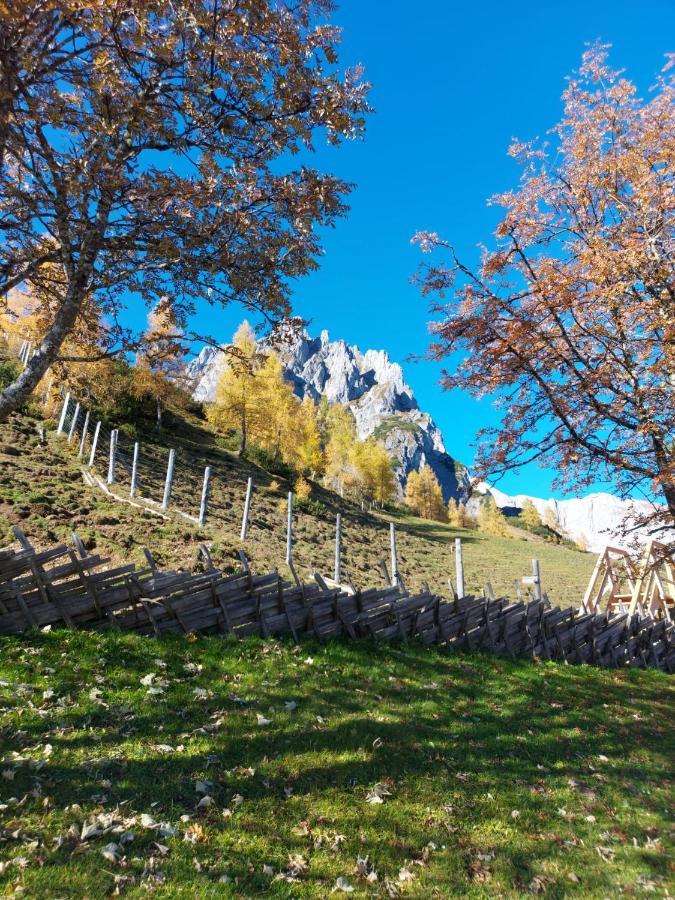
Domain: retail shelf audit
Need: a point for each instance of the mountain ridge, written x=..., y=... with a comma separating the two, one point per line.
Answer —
x=384, y=406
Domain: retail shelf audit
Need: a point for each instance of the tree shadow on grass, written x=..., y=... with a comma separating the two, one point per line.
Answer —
x=446, y=730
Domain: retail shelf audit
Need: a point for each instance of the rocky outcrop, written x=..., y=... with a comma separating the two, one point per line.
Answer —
x=372, y=386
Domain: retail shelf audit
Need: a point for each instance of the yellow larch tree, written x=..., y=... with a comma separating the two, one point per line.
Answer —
x=424, y=496
x=490, y=519
x=237, y=391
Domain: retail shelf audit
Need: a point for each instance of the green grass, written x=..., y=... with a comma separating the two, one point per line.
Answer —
x=42, y=491
x=499, y=779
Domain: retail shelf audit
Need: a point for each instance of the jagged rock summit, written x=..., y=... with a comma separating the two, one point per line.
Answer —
x=372, y=386
x=384, y=406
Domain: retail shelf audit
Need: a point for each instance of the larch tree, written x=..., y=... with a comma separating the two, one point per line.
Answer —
x=529, y=515
x=491, y=520
x=340, y=433
x=570, y=318
x=160, y=366
x=457, y=516
x=424, y=496
x=237, y=404
x=373, y=475
x=146, y=149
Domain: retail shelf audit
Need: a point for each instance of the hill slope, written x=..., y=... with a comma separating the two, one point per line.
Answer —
x=42, y=490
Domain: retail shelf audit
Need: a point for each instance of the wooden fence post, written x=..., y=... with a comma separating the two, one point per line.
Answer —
x=83, y=439
x=338, y=549
x=289, y=530
x=394, y=558
x=112, y=462
x=536, y=579
x=203, y=507
x=247, y=507
x=64, y=412
x=73, y=424
x=94, y=442
x=459, y=567
x=168, y=484
x=134, y=470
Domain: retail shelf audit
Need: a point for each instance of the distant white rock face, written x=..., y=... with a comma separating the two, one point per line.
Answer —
x=372, y=386
x=596, y=519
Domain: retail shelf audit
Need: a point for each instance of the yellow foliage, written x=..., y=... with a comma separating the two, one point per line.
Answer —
x=490, y=519
x=529, y=515
x=424, y=496
x=303, y=489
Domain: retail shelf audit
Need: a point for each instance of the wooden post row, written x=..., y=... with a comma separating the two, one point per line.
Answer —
x=73, y=424
x=64, y=412
x=134, y=471
x=289, y=530
x=83, y=439
x=394, y=559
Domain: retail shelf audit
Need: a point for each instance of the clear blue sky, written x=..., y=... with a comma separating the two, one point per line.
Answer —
x=452, y=84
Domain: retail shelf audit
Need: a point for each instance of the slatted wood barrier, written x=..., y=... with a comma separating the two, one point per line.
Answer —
x=66, y=586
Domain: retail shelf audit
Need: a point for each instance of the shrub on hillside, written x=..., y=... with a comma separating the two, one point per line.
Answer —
x=312, y=507
x=271, y=463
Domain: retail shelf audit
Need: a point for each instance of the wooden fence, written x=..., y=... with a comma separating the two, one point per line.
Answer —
x=66, y=586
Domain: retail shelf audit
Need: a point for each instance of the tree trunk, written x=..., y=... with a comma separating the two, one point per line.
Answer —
x=664, y=463
x=242, y=448
x=158, y=420
x=16, y=394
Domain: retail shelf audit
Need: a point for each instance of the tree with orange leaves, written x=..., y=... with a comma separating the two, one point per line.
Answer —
x=570, y=318
x=146, y=150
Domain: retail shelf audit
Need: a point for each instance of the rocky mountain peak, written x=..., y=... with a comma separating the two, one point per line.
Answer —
x=372, y=386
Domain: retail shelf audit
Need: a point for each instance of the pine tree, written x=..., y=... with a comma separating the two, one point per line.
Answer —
x=424, y=496
x=490, y=518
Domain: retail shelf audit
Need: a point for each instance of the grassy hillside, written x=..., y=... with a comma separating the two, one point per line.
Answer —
x=214, y=768
x=42, y=490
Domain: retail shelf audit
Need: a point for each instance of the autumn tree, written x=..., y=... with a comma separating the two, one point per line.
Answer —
x=457, y=515
x=529, y=516
x=340, y=435
x=490, y=518
x=146, y=148
x=237, y=404
x=424, y=496
x=160, y=366
x=570, y=318
x=373, y=474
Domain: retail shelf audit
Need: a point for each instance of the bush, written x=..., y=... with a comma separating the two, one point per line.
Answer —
x=271, y=463
x=9, y=371
x=312, y=507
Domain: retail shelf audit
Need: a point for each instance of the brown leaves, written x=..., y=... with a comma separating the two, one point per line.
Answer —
x=570, y=316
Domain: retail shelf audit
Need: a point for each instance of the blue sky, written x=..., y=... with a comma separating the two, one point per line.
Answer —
x=452, y=84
